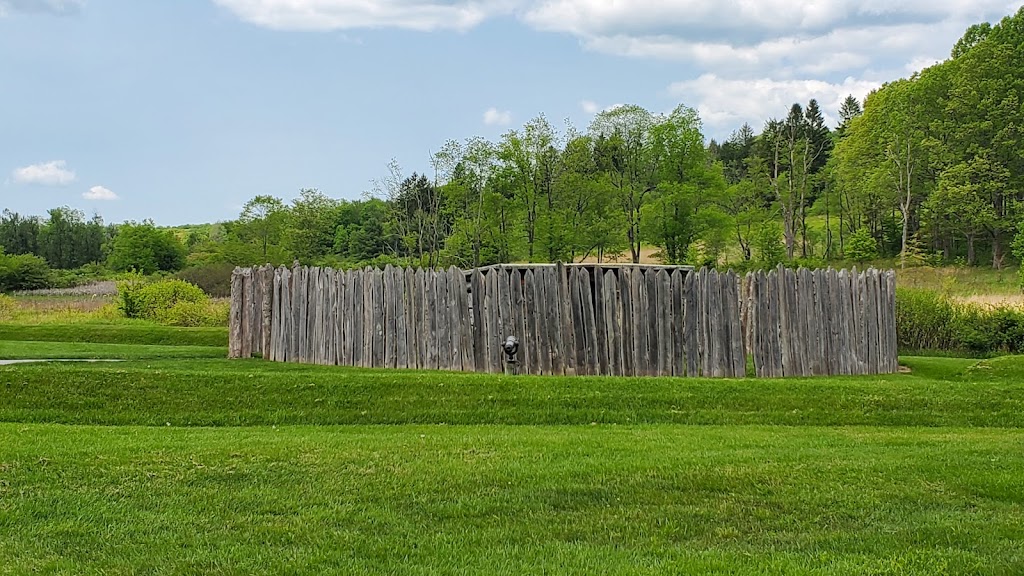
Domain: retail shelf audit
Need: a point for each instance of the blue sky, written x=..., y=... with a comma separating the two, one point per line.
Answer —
x=181, y=111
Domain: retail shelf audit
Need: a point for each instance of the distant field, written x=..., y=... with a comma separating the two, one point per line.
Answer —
x=179, y=461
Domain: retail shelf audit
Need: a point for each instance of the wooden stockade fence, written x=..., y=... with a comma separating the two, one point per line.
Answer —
x=821, y=322
x=569, y=319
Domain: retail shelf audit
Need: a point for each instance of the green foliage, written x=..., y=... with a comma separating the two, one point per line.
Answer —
x=23, y=272
x=145, y=248
x=129, y=295
x=861, y=246
x=768, y=245
x=927, y=320
x=7, y=307
x=214, y=279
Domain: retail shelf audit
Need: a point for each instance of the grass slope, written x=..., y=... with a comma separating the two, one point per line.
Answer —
x=116, y=333
x=500, y=500
x=942, y=392
x=12, y=349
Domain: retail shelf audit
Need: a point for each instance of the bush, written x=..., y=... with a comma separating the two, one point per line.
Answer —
x=214, y=279
x=173, y=302
x=23, y=272
x=145, y=248
x=7, y=307
x=861, y=246
x=929, y=321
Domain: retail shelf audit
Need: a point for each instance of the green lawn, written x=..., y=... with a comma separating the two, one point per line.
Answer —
x=125, y=332
x=182, y=462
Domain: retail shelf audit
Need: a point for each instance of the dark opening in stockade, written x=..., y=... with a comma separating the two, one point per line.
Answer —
x=622, y=320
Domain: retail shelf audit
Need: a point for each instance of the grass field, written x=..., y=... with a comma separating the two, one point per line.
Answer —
x=178, y=461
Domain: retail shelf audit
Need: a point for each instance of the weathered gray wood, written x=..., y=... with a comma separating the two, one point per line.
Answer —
x=411, y=324
x=662, y=316
x=625, y=321
x=601, y=342
x=576, y=325
x=691, y=329
x=566, y=334
x=531, y=315
x=518, y=297
x=455, y=283
x=235, y=315
x=495, y=360
x=443, y=318
x=678, y=361
x=480, y=346
x=612, y=322
x=465, y=322
x=555, y=303
x=591, y=362
x=653, y=342
x=390, y=321
x=737, y=352
x=641, y=364
x=507, y=326
x=431, y=345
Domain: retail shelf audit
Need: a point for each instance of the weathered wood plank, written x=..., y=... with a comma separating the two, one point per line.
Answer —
x=613, y=322
x=235, y=315
x=465, y=322
x=518, y=296
x=566, y=335
x=555, y=304
x=495, y=360
x=576, y=325
x=653, y=341
x=601, y=342
x=454, y=318
x=533, y=361
x=678, y=359
x=638, y=296
x=587, y=301
x=625, y=320
x=479, y=333
x=691, y=324
x=444, y=332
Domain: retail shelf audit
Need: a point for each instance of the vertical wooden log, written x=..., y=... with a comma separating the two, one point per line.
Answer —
x=653, y=344
x=287, y=315
x=464, y=320
x=532, y=343
x=566, y=334
x=601, y=331
x=554, y=305
x=678, y=358
x=641, y=305
x=587, y=302
x=432, y=347
x=613, y=322
x=235, y=315
x=691, y=324
x=444, y=332
x=479, y=330
x=663, y=321
x=625, y=319
x=507, y=326
x=454, y=318
x=495, y=360
x=518, y=297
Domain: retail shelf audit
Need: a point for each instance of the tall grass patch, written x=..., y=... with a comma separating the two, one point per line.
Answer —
x=927, y=320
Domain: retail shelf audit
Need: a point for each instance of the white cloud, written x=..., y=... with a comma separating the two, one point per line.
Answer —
x=99, y=193
x=353, y=14
x=495, y=117
x=725, y=104
x=589, y=107
x=53, y=173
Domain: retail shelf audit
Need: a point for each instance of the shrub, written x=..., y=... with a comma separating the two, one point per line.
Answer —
x=160, y=297
x=146, y=248
x=214, y=279
x=927, y=320
x=23, y=272
x=166, y=301
x=7, y=307
x=861, y=246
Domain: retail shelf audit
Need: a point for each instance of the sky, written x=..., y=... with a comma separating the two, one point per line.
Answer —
x=181, y=111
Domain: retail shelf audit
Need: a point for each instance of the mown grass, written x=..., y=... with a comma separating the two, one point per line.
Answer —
x=13, y=349
x=176, y=462
x=501, y=500
x=135, y=332
x=202, y=392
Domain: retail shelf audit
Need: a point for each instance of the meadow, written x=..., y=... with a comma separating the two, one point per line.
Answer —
x=178, y=461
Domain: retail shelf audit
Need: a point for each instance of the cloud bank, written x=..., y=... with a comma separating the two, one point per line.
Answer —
x=52, y=173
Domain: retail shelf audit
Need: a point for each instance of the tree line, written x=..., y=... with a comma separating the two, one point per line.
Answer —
x=925, y=168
